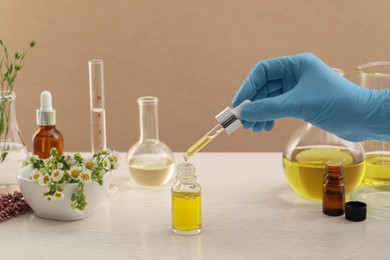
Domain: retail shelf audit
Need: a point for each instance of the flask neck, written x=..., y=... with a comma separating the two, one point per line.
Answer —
x=148, y=118
x=7, y=104
x=186, y=172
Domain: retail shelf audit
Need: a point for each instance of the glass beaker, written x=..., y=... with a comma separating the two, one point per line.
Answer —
x=13, y=151
x=376, y=75
x=150, y=161
x=305, y=158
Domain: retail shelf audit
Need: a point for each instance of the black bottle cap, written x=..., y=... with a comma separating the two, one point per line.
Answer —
x=355, y=210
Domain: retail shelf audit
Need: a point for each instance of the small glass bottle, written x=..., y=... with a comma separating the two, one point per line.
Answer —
x=333, y=190
x=186, y=202
x=150, y=161
x=47, y=136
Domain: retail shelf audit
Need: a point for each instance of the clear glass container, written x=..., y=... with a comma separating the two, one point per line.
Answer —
x=13, y=151
x=376, y=75
x=305, y=158
x=186, y=202
x=150, y=161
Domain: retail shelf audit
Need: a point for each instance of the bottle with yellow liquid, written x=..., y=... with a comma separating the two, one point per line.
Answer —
x=305, y=158
x=186, y=202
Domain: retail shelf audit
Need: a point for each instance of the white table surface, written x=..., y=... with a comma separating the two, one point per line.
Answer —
x=249, y=212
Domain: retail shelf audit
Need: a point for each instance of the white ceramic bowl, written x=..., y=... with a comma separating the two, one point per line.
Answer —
x=60, y=209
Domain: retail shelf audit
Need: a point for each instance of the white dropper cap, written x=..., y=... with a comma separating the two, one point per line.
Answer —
x=230, y=119
x=46, y=115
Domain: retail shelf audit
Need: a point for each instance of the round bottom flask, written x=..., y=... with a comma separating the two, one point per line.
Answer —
x=305, y=158
x=150, y=161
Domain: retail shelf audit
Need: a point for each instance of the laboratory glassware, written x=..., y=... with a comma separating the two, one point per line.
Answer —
x=150, y=161
x=186, y=202
x=13, y=150
x=229, y=120
x=376, y=75
x=307, y=152
x=97, y=109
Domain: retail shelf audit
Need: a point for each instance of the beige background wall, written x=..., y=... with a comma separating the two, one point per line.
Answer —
x=191, y=54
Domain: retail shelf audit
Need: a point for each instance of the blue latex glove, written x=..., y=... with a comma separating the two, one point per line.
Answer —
x=302, y=86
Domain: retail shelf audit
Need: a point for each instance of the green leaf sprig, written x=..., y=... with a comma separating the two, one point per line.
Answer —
x=9, y=68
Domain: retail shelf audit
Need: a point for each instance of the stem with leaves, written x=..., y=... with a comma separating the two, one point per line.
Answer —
x=9, y=68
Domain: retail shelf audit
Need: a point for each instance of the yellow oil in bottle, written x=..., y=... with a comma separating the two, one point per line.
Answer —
x=305, y=171
x=377, y=169
x=186, y=211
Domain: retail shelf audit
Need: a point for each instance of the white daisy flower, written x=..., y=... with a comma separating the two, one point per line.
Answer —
x=44, y=179
x=58, y=195
x=75, y=172
x=35, y=175
x=115, y=158
x=90, y=163
x=107, y=164
x=85, y=176
x=49, y=198
x=60, y=165
x=57, y=175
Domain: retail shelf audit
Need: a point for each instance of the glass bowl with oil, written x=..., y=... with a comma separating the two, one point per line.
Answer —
x=305, y=159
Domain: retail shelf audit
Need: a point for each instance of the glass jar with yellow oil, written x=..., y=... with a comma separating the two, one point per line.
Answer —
x=186, y=202
x=305, y=158
x=376, y=75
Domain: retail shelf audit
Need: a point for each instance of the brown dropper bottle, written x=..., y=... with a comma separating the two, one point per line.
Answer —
x=47, y=135
x=333, y=189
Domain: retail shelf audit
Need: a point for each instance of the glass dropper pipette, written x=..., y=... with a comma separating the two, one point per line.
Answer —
x=229, y=120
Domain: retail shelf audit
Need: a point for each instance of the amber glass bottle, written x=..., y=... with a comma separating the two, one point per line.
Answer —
x=47, y=135
x=333, y=190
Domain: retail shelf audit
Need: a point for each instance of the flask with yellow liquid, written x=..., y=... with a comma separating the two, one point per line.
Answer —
x=305, y=158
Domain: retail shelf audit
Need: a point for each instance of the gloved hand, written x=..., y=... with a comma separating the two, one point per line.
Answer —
x=302, y=86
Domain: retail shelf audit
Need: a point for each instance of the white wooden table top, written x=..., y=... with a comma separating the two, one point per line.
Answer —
x=249, y=212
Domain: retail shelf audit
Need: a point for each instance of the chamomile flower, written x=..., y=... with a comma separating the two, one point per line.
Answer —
x=58, y=195
x=90, y=163
x=75, y=172
x=85, y=176
x=49, y=198
x=35, y=175
x=107, y=164
x=44, y=179
x=57, y=175
x=60, y=165
x=115, y=159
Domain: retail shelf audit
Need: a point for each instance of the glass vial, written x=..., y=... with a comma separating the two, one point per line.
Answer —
x=150, y=161
x=333, y=190
x=186, y=202
x=47, y=136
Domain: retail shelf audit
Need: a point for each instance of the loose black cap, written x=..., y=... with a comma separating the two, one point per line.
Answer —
x=355, y=210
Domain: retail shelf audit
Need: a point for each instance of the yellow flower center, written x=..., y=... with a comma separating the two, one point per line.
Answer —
x=75, y=173
x=115, y=159
x=46, y=179
x=89, y=165
x=58, y=194
x=85, y=177
x=35, y=176
x=56, y=174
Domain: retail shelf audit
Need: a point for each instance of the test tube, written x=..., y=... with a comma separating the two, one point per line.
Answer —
x=98, y=112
